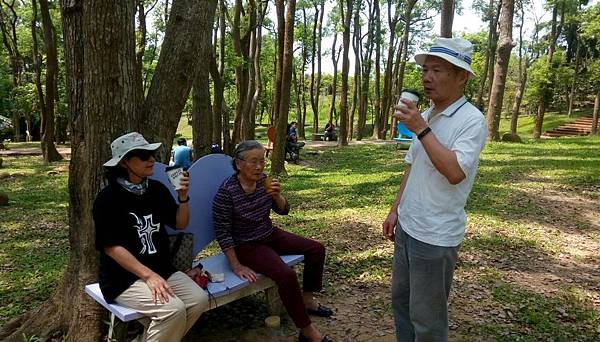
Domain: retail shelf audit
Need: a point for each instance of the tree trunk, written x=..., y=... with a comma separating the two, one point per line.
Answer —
x=334, y=60
x=388, y=76
x=447, y=18
x=514, y=118
x=357, y=75
x=490, y=50
x=366, y=76
x=101, y=105
x=17, y=64
x=377, y=128
x=277, y=160
x=141, y=49
x=574, y=82
x=202, y=116
x=347, y=19
x=315, y=84
x=174, y=74
x=49, y=151
x=501, y=69
x=596, y=112
x=555, y=32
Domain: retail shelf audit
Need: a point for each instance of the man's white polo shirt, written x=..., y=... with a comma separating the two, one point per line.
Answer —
x=431, y=209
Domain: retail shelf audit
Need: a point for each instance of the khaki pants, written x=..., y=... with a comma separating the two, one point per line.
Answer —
x=169, y=321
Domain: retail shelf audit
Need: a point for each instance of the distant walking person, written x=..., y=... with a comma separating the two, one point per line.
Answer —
x=182, y=154
x=427, y=220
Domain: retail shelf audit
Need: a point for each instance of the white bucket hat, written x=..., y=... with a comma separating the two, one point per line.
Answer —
x=457, y=51
x=128, y=142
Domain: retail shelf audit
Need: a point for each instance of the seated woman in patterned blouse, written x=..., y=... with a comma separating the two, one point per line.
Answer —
x=252, y=244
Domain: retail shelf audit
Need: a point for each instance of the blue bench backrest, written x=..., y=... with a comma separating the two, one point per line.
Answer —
x=206, y=176
x=403, y=132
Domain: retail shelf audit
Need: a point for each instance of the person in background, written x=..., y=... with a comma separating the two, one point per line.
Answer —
x=130, y=214
x=251, y=243
x=330, y=132
x=292, y=146
x=182, y=154
x=427, y=219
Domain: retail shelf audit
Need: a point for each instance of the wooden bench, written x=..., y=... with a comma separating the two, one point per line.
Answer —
x=206, y=176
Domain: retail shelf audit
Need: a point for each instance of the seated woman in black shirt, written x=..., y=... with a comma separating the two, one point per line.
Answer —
x=130, y=215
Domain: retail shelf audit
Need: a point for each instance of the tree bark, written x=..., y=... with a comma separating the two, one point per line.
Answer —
x=347, y=19
x=315, y=83
x=334, y=59
x=366, y=75
x=101, y=101
x=501, y=69
x=489, y=54
x=8, y=28
x=277, y=160
x=377, y=128
x=555, y=32
x=202, y=116
x=447, y=18
x=174, y=74
x=574, y=82
x=523, y=65
x=49, y=151
x=388, y=76
x=596, y=112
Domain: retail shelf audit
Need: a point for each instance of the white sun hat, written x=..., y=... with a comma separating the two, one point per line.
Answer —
x=457, y=51
x=128, y=142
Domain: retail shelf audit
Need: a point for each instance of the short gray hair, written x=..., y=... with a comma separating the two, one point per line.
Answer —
x=242, y=148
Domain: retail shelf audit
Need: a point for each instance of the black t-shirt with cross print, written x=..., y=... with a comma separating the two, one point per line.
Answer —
x=137, y=223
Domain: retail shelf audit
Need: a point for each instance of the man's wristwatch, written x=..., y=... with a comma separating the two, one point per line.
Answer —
x=185, y=200
x=423, y=133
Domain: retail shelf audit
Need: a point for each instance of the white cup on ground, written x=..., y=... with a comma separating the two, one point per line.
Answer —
x=409, y=95
x=175, y=173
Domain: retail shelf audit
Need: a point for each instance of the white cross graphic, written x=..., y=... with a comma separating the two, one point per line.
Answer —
x=145, y=230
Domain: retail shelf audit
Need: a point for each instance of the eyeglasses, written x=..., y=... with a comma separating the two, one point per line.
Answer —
x=255, y=161
x=143, y=155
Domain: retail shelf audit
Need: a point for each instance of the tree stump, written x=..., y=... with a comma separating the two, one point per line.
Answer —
x=3, y=199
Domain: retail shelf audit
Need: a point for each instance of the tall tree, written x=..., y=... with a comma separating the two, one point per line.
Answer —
x=377, y=124
x=556, y=28
x=8, y=27
x=388, y=79
x=447, y=18
x=335, y=57
x=174, y=74
x=202, y=116
x=315, y=78
x=284, y=74
x=346, y=12
x=47, y=101
x=492, y=14
x=522, y=76
x=500, y=71
x=366, y=72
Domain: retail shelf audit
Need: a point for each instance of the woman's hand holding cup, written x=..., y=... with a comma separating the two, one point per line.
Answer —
x=184, y=186
x=272, y=186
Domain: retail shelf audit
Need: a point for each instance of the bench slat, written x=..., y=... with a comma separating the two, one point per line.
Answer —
x=123, y=313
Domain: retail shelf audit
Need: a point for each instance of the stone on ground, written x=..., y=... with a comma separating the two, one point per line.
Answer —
x=509, y=137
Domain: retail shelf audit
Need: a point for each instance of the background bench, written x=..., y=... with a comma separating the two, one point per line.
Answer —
x=206, y=176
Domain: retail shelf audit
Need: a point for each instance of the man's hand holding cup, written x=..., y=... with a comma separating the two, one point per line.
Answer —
x=406, y=111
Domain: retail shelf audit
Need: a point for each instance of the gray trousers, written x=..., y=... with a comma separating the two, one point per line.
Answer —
x=421, y=280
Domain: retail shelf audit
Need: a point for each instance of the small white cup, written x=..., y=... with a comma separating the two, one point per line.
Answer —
x=407, y=95
x=175, y=175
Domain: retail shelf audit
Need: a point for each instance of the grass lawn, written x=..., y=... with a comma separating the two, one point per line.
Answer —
x=527, y=271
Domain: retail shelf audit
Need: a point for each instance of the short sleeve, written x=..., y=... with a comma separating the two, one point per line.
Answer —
x=106, y=221
x=469, y=144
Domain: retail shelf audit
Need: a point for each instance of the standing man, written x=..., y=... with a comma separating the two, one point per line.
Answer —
x=427, y=220
x=182, y=154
